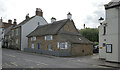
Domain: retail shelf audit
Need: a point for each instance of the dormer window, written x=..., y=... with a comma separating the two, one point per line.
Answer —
x=49, y=37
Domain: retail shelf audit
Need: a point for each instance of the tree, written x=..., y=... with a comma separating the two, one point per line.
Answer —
x=90, y=33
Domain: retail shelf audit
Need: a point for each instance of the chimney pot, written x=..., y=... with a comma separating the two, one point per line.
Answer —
x=15, y=23
x=1, y=19
x=10, y=21
x=27, y=16
x=53, y=19
x=69, y=16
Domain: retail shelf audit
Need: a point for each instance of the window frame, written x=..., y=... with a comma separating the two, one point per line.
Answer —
x=110, y=48
x=48, y=37
x=65, y=45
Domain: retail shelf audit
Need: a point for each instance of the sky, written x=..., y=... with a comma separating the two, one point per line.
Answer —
x=83, y=11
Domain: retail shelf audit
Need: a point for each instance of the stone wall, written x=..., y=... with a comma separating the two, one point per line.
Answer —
x=81, y=49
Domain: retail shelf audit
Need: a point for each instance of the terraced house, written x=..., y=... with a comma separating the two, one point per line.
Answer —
x=19, y=32
x=59, y=38
x=8, y=35
x=3, y=27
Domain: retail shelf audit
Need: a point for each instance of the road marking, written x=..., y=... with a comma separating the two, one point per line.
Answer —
x=103, y=67
x=43, y=63
x=10, y=55
x=35, y=62
x=38, y=64
x=14, y=63
x=7, y=64
x=31, y=67
x=79, y=60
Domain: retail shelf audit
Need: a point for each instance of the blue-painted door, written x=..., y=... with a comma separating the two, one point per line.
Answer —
x=38, y=46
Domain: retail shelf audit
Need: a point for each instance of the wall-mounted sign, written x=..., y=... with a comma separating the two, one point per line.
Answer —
x=109, y=48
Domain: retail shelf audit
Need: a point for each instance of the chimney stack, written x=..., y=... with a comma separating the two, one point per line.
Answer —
x=9, y=21
x=14, y=23
x=53, y=19
x=1, y=19
x=69, y=16
x=39, y=12
x=27, y=16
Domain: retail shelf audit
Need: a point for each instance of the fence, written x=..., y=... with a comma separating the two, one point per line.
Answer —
x=53, y=53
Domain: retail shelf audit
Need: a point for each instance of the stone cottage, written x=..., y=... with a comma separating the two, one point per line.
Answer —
x=59, y=38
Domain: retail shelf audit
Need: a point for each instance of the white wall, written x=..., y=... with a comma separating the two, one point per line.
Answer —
x=28, y=28
x=119, y=36
x=112, y=35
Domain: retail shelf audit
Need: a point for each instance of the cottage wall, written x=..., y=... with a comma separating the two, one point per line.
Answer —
x=44, y=43
x=17, y=37
x=81, y=49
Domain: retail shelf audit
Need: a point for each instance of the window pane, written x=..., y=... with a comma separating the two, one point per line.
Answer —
x=49, y=37
x=33, y=46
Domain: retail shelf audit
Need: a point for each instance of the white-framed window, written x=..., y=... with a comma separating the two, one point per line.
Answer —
x=17, y=31
x=49, y=37
x=32, y=46
x=33, y=38
x=63, y=45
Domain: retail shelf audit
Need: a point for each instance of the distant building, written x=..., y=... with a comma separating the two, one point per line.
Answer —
x=59, y=38
x=109, y=33
x=3, y=26
x=8, y=35
x=19, y=32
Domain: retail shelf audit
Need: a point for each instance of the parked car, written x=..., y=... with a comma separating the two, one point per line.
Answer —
x=96, y=49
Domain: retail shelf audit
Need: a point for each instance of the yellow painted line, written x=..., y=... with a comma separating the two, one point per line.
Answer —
x=14, y=63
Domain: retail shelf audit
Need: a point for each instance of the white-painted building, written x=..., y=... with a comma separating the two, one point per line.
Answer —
x=31, y=25
x=109, y=33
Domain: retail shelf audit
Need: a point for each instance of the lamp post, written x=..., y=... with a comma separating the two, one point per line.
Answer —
x=101, y=20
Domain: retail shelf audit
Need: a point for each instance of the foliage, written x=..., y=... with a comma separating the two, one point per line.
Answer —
x=91, y=34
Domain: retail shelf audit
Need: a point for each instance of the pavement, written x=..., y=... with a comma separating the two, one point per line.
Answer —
x=19, y=59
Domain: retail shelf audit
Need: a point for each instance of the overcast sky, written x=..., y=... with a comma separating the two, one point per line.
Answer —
x=83, y=11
